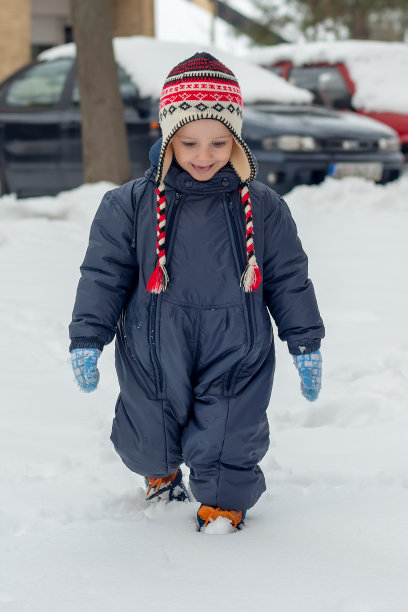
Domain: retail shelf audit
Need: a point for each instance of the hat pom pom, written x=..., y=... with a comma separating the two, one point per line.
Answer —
x=251, y=278
x=158, y=280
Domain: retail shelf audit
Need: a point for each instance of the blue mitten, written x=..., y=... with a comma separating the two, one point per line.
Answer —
x=309, y=367
x=84, y=362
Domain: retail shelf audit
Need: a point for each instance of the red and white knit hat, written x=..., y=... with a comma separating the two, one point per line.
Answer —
x=201, y=87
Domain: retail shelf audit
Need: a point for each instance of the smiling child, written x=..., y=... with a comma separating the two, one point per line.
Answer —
x=185, y=266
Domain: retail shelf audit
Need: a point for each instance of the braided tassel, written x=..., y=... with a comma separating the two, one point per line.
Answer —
x=159, y=279
x=251, y=277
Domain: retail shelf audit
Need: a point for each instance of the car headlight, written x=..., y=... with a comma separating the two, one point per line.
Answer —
x=290, y=142
x=389, y=144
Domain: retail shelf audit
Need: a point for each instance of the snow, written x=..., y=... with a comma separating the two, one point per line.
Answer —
x=221, y=526
x=329, y=535
x=181, y=20
x=287, y=17
x=378, y=69
x=159, y=57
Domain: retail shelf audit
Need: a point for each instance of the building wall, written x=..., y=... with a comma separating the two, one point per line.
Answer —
x=51, y=17
x=15, y=35
x=29, y=26
x=50, y=20
x=208, y=5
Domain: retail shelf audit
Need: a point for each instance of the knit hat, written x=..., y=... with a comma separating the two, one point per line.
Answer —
x=201, y=87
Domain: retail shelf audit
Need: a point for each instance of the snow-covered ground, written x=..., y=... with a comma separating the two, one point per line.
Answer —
x=330, y=534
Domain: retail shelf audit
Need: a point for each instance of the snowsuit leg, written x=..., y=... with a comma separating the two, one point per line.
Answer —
x=228, y=433
x=146, y=431
x=226, y=439
x=213, y=412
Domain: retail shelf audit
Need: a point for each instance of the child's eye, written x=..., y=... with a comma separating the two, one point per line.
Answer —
x=219, y=143
x=188, y=144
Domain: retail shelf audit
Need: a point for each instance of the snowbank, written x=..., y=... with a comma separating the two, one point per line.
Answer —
x=148, y=61
x=75, y=205
x=378, y=69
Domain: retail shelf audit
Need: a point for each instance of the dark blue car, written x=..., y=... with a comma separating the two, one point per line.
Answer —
x=40, y=136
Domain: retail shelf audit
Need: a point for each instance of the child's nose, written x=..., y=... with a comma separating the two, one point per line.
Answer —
x=203, y=153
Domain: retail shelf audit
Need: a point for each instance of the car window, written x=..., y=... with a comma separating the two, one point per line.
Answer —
x=325, y=82
x=41, y=85
x=276, y=69
x=128, y=90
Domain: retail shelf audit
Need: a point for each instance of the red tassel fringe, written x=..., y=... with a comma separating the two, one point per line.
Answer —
x=251, y=278
x=158, y=280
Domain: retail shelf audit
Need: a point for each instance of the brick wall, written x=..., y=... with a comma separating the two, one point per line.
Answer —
x=130, y=17
x=15, y=35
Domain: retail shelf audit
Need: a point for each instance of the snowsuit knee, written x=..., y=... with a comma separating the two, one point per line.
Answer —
x=195, y=363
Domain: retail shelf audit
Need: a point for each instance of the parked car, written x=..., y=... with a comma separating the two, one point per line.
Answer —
x=304, y=144
x=40, y=124
x=368, y=77
x=40, y=128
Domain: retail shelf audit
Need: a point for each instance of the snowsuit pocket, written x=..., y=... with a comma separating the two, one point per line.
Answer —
x=143, y=374
x=258, y=350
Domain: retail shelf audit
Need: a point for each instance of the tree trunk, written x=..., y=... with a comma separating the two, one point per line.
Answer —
x=104, y=142
x=359, y=26
x=133, y=17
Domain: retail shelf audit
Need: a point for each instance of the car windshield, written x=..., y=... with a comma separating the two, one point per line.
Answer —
x=325, y=82
x=41, y=85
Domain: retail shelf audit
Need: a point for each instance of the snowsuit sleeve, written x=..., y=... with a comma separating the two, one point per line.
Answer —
x=108, y=273
x=288, y=292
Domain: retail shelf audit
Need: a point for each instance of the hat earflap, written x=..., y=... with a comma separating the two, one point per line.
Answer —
x=242, y=161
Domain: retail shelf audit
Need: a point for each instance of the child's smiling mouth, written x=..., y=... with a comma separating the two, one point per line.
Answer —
x=202, y=169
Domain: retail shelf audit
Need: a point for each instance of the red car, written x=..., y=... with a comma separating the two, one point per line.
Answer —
x=368, y=77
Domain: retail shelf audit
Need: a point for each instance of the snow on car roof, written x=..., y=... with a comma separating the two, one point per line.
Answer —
x=148, y=62
x=379, y=69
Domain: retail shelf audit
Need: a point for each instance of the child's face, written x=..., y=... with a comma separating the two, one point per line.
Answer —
x=202, y=147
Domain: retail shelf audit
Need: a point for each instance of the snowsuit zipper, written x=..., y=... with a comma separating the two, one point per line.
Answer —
x=238, y=250
x=140, y=371
x=154, y=299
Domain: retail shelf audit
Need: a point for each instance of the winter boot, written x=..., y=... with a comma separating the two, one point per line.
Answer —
x=207, y=514
x=170, y=488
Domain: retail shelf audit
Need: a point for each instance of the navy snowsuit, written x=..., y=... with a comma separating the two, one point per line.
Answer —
x=195, y=363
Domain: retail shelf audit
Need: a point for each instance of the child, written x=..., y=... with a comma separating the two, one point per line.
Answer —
x=195, y=355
